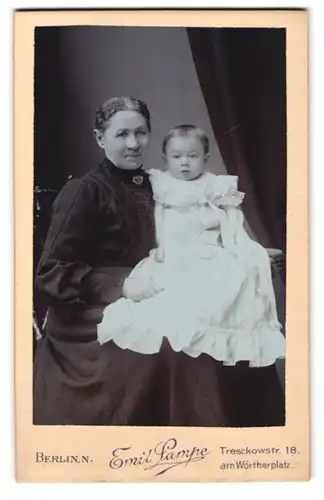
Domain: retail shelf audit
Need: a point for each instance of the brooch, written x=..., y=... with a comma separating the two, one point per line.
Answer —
x=138, y=180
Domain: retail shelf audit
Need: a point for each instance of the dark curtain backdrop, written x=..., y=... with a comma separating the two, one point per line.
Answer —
x=242, y=73
x=48, y=177
x=48, y=111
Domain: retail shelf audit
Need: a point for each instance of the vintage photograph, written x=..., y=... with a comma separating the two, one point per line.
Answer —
x=161, y=252
x=159, y=263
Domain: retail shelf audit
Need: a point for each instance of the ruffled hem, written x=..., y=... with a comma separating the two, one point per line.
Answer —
x=260, y=347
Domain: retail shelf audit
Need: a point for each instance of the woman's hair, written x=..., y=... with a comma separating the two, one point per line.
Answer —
x=115, y=104
x=185, y=131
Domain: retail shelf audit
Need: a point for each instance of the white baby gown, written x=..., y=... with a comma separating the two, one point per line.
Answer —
x=213, y=291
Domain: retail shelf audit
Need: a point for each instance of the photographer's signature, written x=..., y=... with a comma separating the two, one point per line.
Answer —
x=162, y=457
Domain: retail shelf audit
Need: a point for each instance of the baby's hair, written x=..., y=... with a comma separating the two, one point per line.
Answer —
x=185, y=131
x=115, y=104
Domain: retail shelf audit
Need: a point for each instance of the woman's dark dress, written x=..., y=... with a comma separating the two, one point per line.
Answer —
x=102, y=226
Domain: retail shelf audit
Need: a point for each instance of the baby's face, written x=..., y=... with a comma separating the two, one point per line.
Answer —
x=185, y=157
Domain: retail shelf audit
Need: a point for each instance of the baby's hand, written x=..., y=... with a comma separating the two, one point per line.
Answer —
x=159, y=254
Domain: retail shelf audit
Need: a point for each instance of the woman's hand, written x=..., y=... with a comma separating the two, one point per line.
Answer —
x=159, y=254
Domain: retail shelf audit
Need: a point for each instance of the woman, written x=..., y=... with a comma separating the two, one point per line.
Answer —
x=102, y=226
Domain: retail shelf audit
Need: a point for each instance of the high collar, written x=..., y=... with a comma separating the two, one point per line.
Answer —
x=123, y=175
x=122, y=171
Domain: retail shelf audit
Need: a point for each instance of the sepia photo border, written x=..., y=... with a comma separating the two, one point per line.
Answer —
x=97, y=444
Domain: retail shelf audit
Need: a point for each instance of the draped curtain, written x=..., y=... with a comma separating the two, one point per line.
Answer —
x=242, y=74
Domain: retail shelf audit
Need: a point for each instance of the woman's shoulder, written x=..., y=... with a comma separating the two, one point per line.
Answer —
x=79, y=186
x=84, y=189
x=74, y=188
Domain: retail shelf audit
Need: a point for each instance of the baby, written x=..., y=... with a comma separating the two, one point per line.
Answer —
x=207, y=286
x=185, y=153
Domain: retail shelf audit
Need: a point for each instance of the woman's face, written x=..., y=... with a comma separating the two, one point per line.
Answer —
x=125, y=140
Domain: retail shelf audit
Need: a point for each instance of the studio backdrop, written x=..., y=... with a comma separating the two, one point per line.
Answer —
x=230, y=82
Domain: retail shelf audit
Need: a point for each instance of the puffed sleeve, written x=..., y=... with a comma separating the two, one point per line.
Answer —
x=222, y=193
x=62, y=267
x=158, y=183
x=224, y=190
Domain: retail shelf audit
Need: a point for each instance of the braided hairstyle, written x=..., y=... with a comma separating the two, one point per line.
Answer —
x=115, y=104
